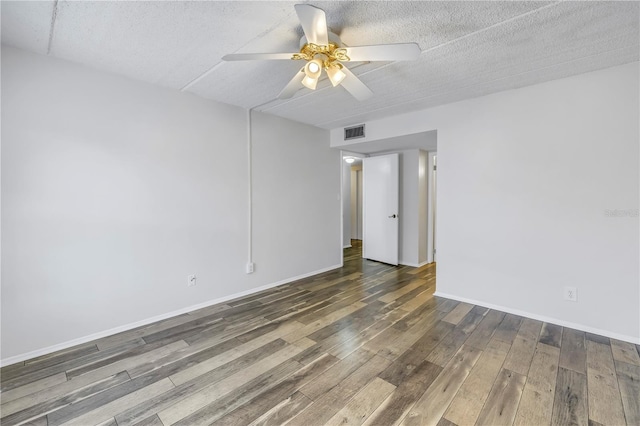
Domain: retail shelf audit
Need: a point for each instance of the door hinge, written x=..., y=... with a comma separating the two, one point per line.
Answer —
x=435, y=167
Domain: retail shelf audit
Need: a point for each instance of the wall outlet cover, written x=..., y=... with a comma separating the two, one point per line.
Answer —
x=250, y=267
x=571, y=294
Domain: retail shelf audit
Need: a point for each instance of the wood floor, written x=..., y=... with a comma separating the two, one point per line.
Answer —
x=364, y=344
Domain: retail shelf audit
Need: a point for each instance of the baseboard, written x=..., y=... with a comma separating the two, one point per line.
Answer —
x=349, y=246
x=126, y=327
x=606, y=333
x=414, y=265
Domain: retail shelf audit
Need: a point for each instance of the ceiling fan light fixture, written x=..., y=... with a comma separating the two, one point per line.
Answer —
x=310, y=82
x=313, y=69
x=335, y=74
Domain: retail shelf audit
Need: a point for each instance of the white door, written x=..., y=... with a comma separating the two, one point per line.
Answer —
x=380, y=208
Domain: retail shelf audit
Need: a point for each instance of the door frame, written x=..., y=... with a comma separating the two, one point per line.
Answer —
x=432, y=206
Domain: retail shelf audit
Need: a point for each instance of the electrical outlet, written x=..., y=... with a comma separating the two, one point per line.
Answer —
x=571, y=293
x=191, y=280
x=250, y=266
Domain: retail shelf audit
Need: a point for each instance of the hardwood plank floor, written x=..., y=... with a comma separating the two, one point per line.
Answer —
x=366, y=344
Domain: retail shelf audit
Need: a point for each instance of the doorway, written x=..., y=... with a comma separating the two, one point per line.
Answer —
x=416, y=212
x=356, y=202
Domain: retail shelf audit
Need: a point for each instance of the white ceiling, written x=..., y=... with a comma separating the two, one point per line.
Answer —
x=469, y=49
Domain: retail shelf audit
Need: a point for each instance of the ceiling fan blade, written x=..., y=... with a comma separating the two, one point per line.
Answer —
x=384, y=52
x=314, y=23
x=354, y=86
x=256, y=56
x=293, y=86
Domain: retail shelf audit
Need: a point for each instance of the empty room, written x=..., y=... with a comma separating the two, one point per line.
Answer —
x=320, y=213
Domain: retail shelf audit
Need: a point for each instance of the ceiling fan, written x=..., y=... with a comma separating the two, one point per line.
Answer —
x=323, y=50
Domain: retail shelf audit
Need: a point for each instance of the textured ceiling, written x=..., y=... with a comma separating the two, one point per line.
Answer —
x=469, y=49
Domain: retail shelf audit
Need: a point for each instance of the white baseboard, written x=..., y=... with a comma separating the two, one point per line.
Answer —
x=147, y=321
x=581, y=327
x=349, y=246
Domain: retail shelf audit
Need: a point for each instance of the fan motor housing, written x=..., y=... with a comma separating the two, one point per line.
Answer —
x=333, y=37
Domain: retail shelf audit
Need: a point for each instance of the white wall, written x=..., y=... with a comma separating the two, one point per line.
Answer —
x=346, y=204
x=296, y=203
x=408, y=230
x=113, y=191
x=356, y=202
x=423, y=195
x=525, y=178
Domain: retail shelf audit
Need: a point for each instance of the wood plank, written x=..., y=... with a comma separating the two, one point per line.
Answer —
x=328, y=404
x=33, y=387
x=445, y=422
x=570, y=401
x=431, y=406
x=551, y=334
x=41, y=421
x=530, y=329
x=131, y=362
x=448, y=347
x=350, y=345
x=597, y=339
x=409, y=337
x=398, y=404
x=605, y=401
x=629, y=382
x=421, y=269
x=184, y=358
x=211, y=364
x=212, y=411
x=523, y=347
x=417, y=301
x=483, y=332
x=91, y=358
x=64, y=391
x=443, y=353
x=281, y=402
x=404, y=365
x=108, y=422
x=573, y=352
x=105, y=412
x=336, y=374
x=202, y=398
x=467, y=403
x=445, y=305
x=508, y=328
x=625, y=352
x=363, y=403
x=459, y=312
x=184, y=390
x=282, y=412
x=149, y=421
x=470, y=321
x=73, y=402
x=390, y=297
x=536, y=403
x=502, y=402
x=311, y=328
x=50, y=359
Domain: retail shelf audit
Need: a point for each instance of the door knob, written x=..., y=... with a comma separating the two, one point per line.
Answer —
x=393, y=216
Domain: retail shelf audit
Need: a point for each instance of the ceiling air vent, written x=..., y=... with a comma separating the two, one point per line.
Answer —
x=354, y=132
